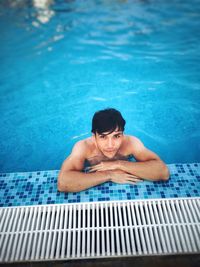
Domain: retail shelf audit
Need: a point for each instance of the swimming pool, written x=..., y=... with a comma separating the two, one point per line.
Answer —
x=61, y=61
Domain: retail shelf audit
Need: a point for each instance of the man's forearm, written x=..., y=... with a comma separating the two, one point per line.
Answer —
x=75, y=181
x=151, y=170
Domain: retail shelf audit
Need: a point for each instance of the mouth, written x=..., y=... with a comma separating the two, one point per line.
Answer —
x=110, y=150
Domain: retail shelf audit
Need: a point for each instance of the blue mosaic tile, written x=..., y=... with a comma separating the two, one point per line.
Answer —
x=37, y=188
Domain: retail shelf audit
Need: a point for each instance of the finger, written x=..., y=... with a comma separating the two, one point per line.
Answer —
x=132, y=179
x=94, y=169
x=87, y=169
x=91, y=169
x=100, y=168
x=131, y=175
x=135, y=177
x=130, y=182
x=95, y=166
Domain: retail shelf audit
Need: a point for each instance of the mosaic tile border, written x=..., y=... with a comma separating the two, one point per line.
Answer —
x=33, y=188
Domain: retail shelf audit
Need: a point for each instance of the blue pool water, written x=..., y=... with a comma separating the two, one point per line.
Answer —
x=63, y=60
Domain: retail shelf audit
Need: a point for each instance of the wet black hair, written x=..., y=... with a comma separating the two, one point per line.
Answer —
x=107, y=120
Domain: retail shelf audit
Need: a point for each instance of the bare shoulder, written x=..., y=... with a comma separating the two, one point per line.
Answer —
x=79, y=148
x=75, y=161
x=83, y=148
x=139, y=151
x=133, y=143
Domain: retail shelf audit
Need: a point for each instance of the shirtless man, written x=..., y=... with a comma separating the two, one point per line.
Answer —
x=107, y=152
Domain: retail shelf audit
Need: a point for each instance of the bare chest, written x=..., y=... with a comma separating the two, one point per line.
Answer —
x=99, y=158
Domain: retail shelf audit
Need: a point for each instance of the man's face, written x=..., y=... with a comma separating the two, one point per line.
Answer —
x=109, y=144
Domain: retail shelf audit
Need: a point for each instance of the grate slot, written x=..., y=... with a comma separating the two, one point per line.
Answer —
x=97, y=243
x=69, y=233
x=64, y=239
x=160, y=228
x=12, y=236
x=21, y=233
x=107, y=243
x=111, y=234
x=6, y=227
x=151, y=234
x=26, y=234
x=155, y=231
x=103, y=232
x=83, y=233
x=145, y=229
x=173, y=225
x=30, y=236
x=127, y=236
x=189, y=230
x=193, y=217
x=171, y=246
x=133, y=247
x=36, y=235
x=135, y=231
x=93, y=232
x=141, y=229
x=57, y=235
x=178, y=226
x=184, y=229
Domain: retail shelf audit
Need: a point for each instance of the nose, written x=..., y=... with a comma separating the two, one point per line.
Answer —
x=110, y=143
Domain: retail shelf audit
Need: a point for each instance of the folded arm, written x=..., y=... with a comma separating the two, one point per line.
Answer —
x=75, y=181
x=72, y=179
x=148, y=167
x=154, y=169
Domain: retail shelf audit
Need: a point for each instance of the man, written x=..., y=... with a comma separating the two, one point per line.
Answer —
x=107, y=152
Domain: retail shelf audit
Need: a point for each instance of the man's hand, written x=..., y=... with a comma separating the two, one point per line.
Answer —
x=121, y=177
x=104, y=166
x=116, y=175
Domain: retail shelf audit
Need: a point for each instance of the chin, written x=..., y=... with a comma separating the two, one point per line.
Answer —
x=110, y=155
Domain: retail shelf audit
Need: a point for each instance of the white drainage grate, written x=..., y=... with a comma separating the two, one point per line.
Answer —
x=100, y=229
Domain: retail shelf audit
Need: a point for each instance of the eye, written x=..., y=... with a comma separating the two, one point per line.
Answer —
x=102, y=136
x=118, y=136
